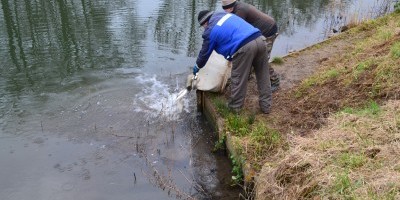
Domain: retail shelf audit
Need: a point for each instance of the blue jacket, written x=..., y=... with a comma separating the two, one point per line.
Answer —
x=225, y=34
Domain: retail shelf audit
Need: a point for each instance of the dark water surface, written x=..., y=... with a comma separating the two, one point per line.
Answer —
x=87, y=91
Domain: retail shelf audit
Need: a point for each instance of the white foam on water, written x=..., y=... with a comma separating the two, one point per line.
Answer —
x=156, y=100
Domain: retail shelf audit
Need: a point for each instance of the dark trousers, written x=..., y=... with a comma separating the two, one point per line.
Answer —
x=269, y=43
x=252, y=54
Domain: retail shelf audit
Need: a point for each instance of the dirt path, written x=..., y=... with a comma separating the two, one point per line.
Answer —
x=299, y=65
x=293, y=114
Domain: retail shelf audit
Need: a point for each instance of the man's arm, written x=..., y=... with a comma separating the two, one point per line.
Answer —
x=204, y=53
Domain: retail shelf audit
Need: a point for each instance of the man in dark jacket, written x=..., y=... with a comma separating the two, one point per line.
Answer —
x=260, y=20
x=243, y=45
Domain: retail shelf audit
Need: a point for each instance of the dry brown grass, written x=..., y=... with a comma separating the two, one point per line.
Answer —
x=342, y=123
x=315, y=168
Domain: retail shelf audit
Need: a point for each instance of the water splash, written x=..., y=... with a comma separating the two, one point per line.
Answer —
x=181, y=94
x=156, y=100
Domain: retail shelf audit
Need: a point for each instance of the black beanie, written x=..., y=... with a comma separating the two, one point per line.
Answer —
x=204, y=16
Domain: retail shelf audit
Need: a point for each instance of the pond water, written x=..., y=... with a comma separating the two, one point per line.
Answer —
x=88, y=88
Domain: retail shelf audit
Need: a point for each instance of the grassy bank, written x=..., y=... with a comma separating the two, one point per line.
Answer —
x=335, y=134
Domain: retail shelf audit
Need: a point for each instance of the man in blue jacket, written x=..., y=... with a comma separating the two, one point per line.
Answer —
x=243, y=45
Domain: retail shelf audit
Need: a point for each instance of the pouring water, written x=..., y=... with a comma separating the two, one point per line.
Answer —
x=181, y=94
x=189, y=86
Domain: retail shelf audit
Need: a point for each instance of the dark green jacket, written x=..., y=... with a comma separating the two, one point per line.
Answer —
x=255, y=17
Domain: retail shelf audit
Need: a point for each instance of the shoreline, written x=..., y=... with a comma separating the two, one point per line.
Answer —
x=317, y=82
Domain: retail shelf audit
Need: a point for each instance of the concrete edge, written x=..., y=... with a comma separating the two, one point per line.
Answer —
x=204, y=100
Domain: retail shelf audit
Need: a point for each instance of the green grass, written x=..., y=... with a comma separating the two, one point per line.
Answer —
x=262, y=139
x=316, y=80
x=277, y=60
x=237, y=171
x=386, y=78
x=221, y=106
x=251, y=118
x=370, y=109
x=264, y=135
x=395, y=50
x=220, y=144
x=310, y=82
x=351, y=160
x=384, y=34
x=342, y=185
x=244, y=126
x=362, y=67
x=305, y=85
x=332, y=73
x=238, y=125
x=367, y=25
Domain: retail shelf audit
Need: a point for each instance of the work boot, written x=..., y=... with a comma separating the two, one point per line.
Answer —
x=233, y=110
x=266, y=111
x=275, y=81
x=275, y=85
